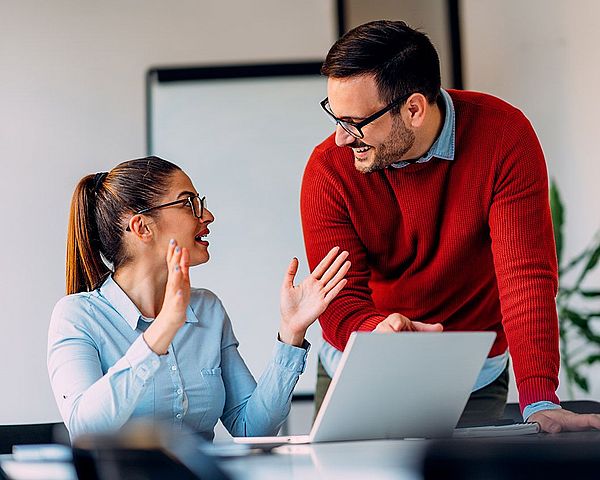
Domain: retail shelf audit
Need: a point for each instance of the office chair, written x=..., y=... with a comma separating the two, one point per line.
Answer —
x=144, y=450
x=31, y=433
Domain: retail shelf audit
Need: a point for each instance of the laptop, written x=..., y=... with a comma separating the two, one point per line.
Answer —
x=394, y=386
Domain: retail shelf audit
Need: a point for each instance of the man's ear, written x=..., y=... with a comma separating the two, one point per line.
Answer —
x=138, y=225
x=417, y=107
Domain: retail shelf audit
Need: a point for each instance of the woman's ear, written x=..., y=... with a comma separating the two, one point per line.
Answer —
x=140, y=228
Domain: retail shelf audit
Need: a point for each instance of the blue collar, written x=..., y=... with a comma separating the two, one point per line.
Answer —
x=443, y=147
x=119, y=300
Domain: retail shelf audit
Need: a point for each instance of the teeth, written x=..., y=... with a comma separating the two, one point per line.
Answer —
x=361, y=150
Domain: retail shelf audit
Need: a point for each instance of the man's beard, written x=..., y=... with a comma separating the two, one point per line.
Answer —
x=399, y=142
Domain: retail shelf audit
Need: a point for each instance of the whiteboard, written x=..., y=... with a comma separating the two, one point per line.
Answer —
x=244, y=141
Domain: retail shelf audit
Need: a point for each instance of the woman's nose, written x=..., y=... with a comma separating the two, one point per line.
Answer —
x=207, y=216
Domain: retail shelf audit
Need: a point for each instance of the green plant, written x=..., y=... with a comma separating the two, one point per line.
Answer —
x=578, y=320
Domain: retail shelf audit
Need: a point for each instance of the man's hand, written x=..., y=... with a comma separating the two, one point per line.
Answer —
x=561, y=420
x=399, y=323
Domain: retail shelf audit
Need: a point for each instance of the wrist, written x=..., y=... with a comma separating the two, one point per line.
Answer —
x=158, y=337
x=290, y=337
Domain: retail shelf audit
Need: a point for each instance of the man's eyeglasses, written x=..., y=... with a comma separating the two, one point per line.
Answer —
x=355, y=129
x=197, y=204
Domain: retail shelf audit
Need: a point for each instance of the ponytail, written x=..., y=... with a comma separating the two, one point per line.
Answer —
x=85, y=267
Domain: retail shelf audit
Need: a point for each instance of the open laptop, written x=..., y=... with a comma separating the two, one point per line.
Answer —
x=391, y=386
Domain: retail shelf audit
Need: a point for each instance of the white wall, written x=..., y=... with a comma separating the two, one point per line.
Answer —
x=71, y=103
x=428, y=16
x=543, y=56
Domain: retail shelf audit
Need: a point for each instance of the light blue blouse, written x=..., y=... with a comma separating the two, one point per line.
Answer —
x=103, y=373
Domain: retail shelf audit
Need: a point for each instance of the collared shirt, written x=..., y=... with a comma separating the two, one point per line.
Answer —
x=443, y=148
x=103, y=373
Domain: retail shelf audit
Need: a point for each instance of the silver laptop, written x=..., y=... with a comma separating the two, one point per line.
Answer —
x=401, y=385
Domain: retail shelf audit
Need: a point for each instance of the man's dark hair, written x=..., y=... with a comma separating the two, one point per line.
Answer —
x=402, y=60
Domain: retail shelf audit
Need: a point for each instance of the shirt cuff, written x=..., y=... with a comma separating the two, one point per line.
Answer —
x=538, y=407
x=291, y=357
x=142, y=360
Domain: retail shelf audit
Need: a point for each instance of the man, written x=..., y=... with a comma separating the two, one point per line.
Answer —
x=441, y=198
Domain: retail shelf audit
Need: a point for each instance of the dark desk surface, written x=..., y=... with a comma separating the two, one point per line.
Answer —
x=404, y=459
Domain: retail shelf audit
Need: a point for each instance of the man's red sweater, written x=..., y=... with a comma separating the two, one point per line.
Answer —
x=467, y=243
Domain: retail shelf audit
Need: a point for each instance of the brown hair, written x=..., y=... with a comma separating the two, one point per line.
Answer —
x=401, y=59
x=99, y=207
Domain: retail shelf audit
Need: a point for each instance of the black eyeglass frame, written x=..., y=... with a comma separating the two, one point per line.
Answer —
x=360, y=125
x=189, y=199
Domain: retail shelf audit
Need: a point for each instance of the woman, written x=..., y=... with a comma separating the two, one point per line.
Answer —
x=137, y=341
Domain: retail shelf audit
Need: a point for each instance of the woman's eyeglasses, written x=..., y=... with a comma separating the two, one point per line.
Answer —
x=197, y=204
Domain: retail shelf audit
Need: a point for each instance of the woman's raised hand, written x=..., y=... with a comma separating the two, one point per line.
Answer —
x=177, y=292
x=302, y=304
x=177, y=297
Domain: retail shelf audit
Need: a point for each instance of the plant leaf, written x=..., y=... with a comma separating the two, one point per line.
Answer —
x=580, y=381
x=590, y=293
x=574, y=262
x=576, y=319
x=557, y=209
x=591, y=263
x=592, y=359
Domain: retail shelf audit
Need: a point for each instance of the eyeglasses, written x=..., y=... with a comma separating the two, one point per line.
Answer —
x=197, y=204
x=355, y=129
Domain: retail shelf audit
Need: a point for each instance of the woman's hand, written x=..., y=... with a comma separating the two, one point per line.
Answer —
x=302, y=304
x=177, y=297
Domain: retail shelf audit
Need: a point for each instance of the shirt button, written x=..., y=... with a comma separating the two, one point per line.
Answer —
x=173, y=367
x=178, y=415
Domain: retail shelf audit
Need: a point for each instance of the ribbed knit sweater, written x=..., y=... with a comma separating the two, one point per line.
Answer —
x=467, y=243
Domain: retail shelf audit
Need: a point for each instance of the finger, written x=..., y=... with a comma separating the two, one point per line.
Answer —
x=427, y=327
x=383, y=327
x=334, y=267
x=338, y=276
x=399, y=322
x=174, y=280
x=595, y=421
x=288, y=278
x=323, y=264
x=174, y=267
x=334, y=291
x=184, y=264
x=579, y=422
x=170, y=250
x=547, y=425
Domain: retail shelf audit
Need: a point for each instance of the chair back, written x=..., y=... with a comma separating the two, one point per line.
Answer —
x=31, y=433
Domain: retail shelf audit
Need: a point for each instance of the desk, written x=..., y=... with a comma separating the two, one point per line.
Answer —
x=380, y=459
x=374, y=459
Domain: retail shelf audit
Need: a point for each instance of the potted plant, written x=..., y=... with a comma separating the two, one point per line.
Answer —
x=578, y=310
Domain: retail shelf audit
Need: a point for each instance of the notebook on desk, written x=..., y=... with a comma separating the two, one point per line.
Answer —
x=392, y=386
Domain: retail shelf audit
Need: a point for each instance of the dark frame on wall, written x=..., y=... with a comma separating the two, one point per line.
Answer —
x=453, y=14
x=218, y=72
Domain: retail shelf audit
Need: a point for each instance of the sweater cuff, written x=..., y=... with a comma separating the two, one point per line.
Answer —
x=537, y=389
x=371, y=323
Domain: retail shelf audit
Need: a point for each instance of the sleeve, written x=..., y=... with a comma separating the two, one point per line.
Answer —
x=525, y=261
x=326, y=223
x=258, y=409
x=89, y=400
